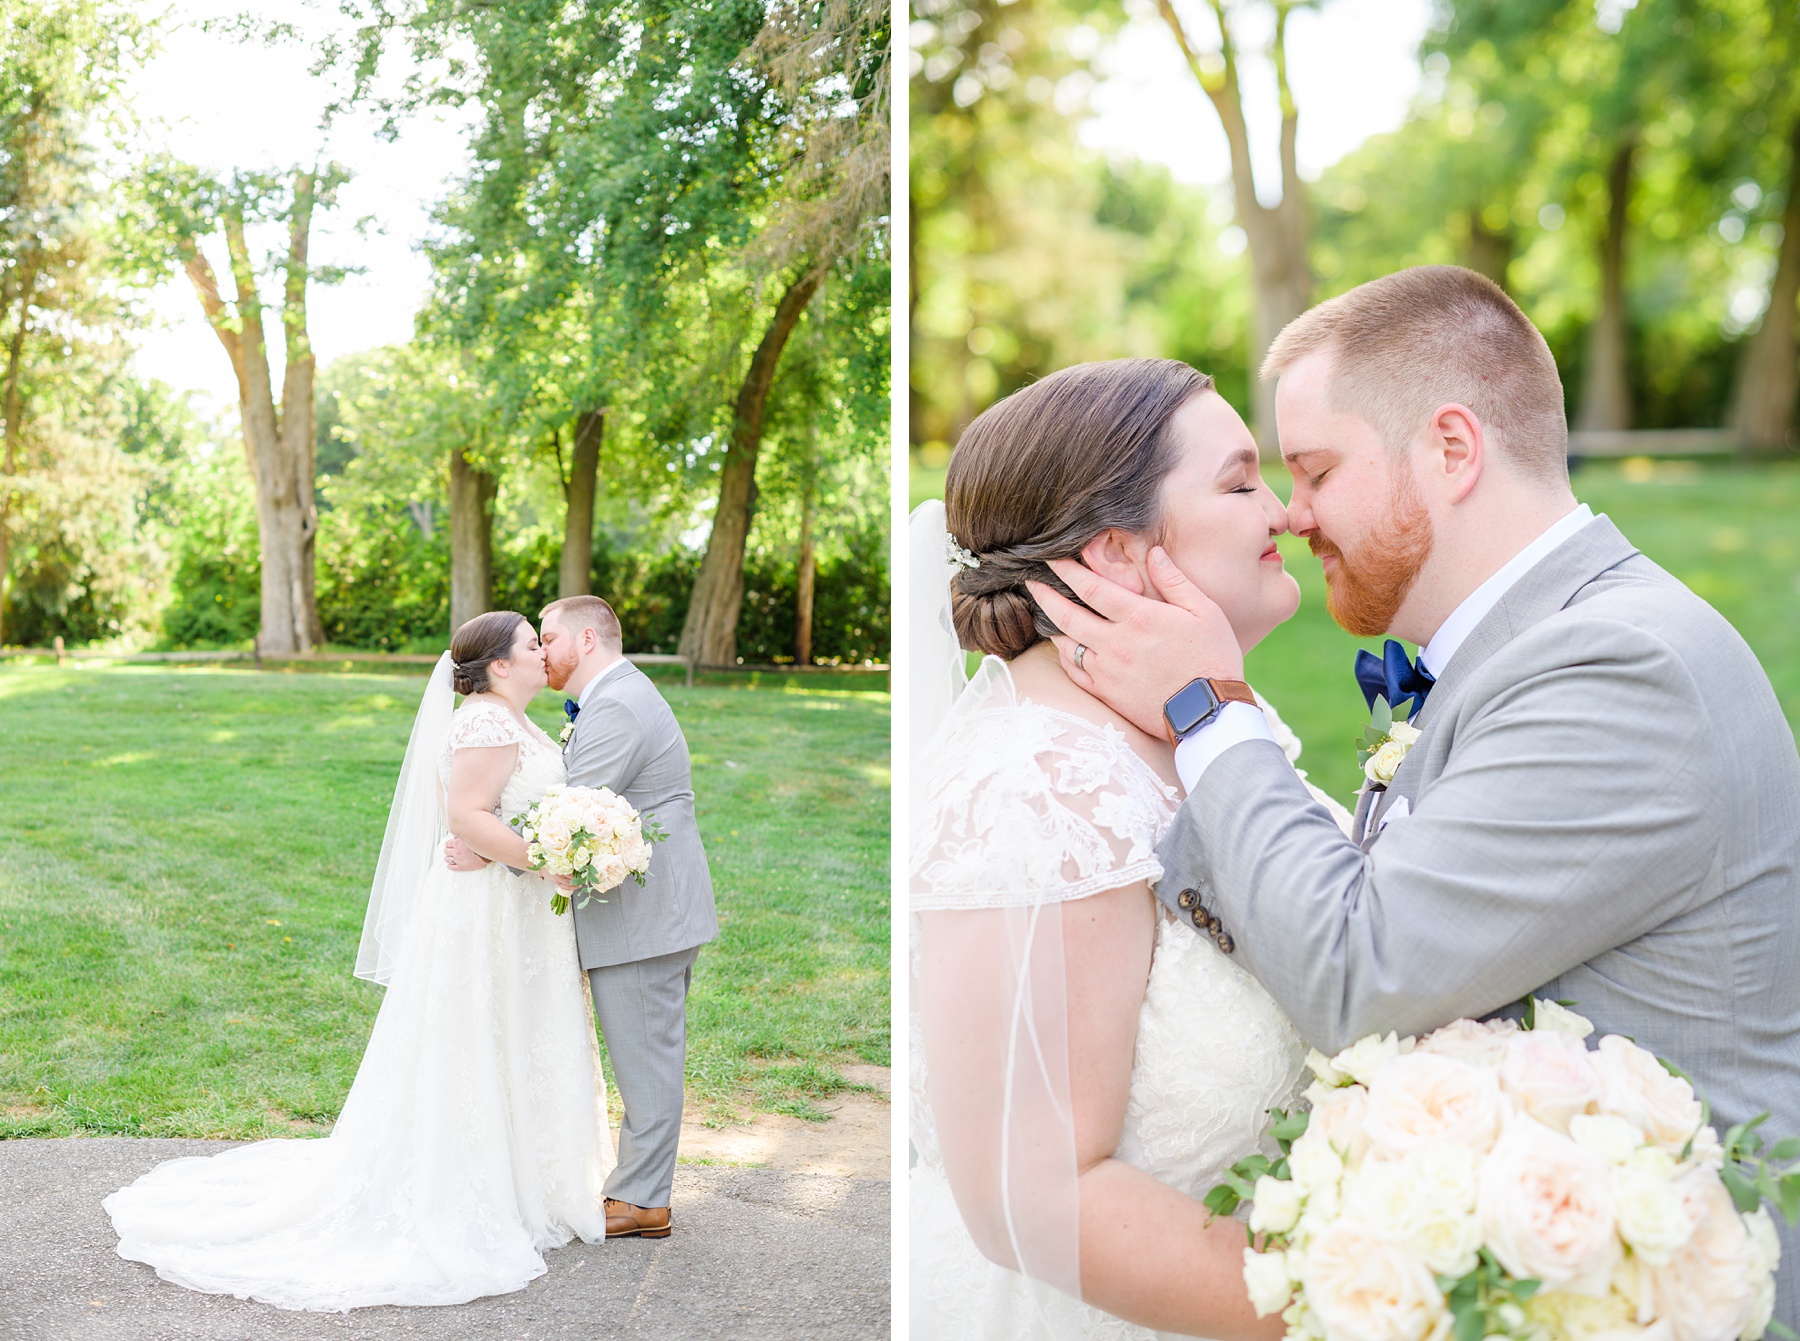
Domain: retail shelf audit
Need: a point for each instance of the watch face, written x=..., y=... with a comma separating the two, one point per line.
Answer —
x=1191, y=706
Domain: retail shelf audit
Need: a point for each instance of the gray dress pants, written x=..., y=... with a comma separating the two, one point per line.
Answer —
x=641, y=1007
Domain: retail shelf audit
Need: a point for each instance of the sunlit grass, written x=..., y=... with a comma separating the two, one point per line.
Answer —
x=187, y=854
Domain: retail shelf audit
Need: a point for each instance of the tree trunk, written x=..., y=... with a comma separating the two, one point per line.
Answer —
x=803, y=597
x=278, y=447
x=12, y=408
x=472, y=493
x=1489, y=253
x=1769, y=370
x=709, y=633
x=1606, y=397
x=299, y=440
x=577, y=575
x=1278, y=236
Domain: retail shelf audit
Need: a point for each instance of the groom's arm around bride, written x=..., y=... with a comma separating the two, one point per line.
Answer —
x=639, y=945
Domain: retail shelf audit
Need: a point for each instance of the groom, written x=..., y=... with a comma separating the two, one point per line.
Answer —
x=639, y=946
x=1603, y=801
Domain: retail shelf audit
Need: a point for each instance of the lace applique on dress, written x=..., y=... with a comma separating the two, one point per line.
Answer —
x=1035, y=805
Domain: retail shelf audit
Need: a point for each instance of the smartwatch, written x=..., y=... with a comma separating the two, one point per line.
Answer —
x=1193, y=706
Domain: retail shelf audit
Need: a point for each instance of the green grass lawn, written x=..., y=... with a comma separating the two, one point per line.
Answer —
x=185, y=857
x=1728, y=531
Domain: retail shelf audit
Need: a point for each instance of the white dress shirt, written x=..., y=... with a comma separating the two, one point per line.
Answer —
x=1237, y=722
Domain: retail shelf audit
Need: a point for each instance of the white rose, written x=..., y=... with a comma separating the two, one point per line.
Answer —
x=1425, y=1202
x=1275, y=1208
x=1363, y=1288
x=1266, y=1280
x=1652, y=1212
x=1549, y=1076
x=1421, y=1098
x=1477, y=1042
x=1314, y=1165
x=1634, y=1085
x=1765, y=1257
x=1339, y=1118
x=1546, y=1209
x=1385, y=762
x=1363, y=1058
x=1405, y=733
x=1320, y=1065
x=1707, y=1291
x=1550, y=1017
x=1612, y=1138
x=1560, y=1316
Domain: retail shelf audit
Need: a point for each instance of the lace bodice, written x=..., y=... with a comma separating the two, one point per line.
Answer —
x=485, y=724
x=1024, y=804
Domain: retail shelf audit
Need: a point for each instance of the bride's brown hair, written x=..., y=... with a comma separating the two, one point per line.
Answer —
x=479, y=643
x=1041, y=473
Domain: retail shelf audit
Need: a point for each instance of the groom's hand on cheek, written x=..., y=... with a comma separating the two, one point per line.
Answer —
x=1140, y=651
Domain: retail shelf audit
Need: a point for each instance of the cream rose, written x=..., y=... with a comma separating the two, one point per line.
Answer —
x=1652, y=1213
x=1477, y=1042
x=1707, y=1291
x=1363, y=1058
x=1546, y=1209
x=1320, y=1065
x=1549, y=1076
x=1314, y=1165
x=1338, y=1119
x=1266, y=1280
x=1363, y=1288
x=1551, y=1017
x=1422, y=1097
x=1634, y=1085
x=1385, y=762
x=1425, y=1202
x=1275, y=1207
x=1612, y=1138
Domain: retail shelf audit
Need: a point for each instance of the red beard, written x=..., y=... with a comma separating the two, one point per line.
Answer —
x=1363, y=595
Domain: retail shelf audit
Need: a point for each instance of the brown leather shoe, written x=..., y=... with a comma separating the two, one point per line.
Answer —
x=623, y=1220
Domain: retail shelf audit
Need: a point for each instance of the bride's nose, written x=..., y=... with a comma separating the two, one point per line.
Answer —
x=1277, y=513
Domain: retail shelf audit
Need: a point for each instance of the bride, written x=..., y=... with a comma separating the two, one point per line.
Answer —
x=1084, y=1068
x=475, y=1134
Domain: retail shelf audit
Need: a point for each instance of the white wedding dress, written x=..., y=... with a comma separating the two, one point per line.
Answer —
x=474, y=1137
x=1024, y=803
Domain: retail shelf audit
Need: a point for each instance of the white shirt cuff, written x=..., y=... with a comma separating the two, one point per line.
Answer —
x=1234, y=724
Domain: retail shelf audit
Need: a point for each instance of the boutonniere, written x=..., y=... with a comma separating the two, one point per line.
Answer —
x=1384, y=744
x=562, y=737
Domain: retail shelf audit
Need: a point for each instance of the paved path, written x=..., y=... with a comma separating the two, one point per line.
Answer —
x=756, y=1253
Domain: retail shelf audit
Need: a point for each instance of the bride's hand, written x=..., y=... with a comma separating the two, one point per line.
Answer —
x=459, y=856
x=1137, y=652
x=562, y=882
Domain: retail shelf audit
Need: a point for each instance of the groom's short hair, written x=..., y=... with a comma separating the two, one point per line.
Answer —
x=587, y=612
x=1406, y=343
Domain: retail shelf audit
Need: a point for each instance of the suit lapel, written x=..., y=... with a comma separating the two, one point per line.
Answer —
x=1545, y=589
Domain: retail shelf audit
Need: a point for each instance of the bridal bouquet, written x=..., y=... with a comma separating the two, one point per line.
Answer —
x=1489, y=1181
x=591, y=835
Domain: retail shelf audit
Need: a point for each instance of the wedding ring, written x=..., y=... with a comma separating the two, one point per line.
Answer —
x=1080, y=652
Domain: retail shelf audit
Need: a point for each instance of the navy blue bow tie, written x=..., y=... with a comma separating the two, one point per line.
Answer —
x=1393, y=676
x=572, y=708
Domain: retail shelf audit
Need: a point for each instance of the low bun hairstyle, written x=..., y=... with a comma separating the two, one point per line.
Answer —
x=1041, y=473
x=475, y=646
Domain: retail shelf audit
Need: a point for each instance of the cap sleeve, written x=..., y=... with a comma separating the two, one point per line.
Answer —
x=484, y=725
x=1023, y=805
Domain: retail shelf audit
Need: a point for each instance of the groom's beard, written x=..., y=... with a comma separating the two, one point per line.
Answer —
x=555, y=671
x=1363, y=595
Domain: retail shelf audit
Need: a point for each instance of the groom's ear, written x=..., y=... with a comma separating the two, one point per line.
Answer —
x=1118, y=556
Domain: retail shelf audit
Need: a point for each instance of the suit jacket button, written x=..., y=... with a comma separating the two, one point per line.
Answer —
x=1198, y=917
x=1226, y=943
x=1187, y=899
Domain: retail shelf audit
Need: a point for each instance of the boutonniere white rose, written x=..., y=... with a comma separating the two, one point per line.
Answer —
x=562, y=737
x=1385, y=743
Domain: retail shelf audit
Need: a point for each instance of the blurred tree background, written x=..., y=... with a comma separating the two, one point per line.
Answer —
x=1629, y=170
x=652, y=364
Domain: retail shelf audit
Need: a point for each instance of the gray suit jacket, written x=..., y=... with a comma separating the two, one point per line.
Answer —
x=627, y=739
x=1605, y=808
